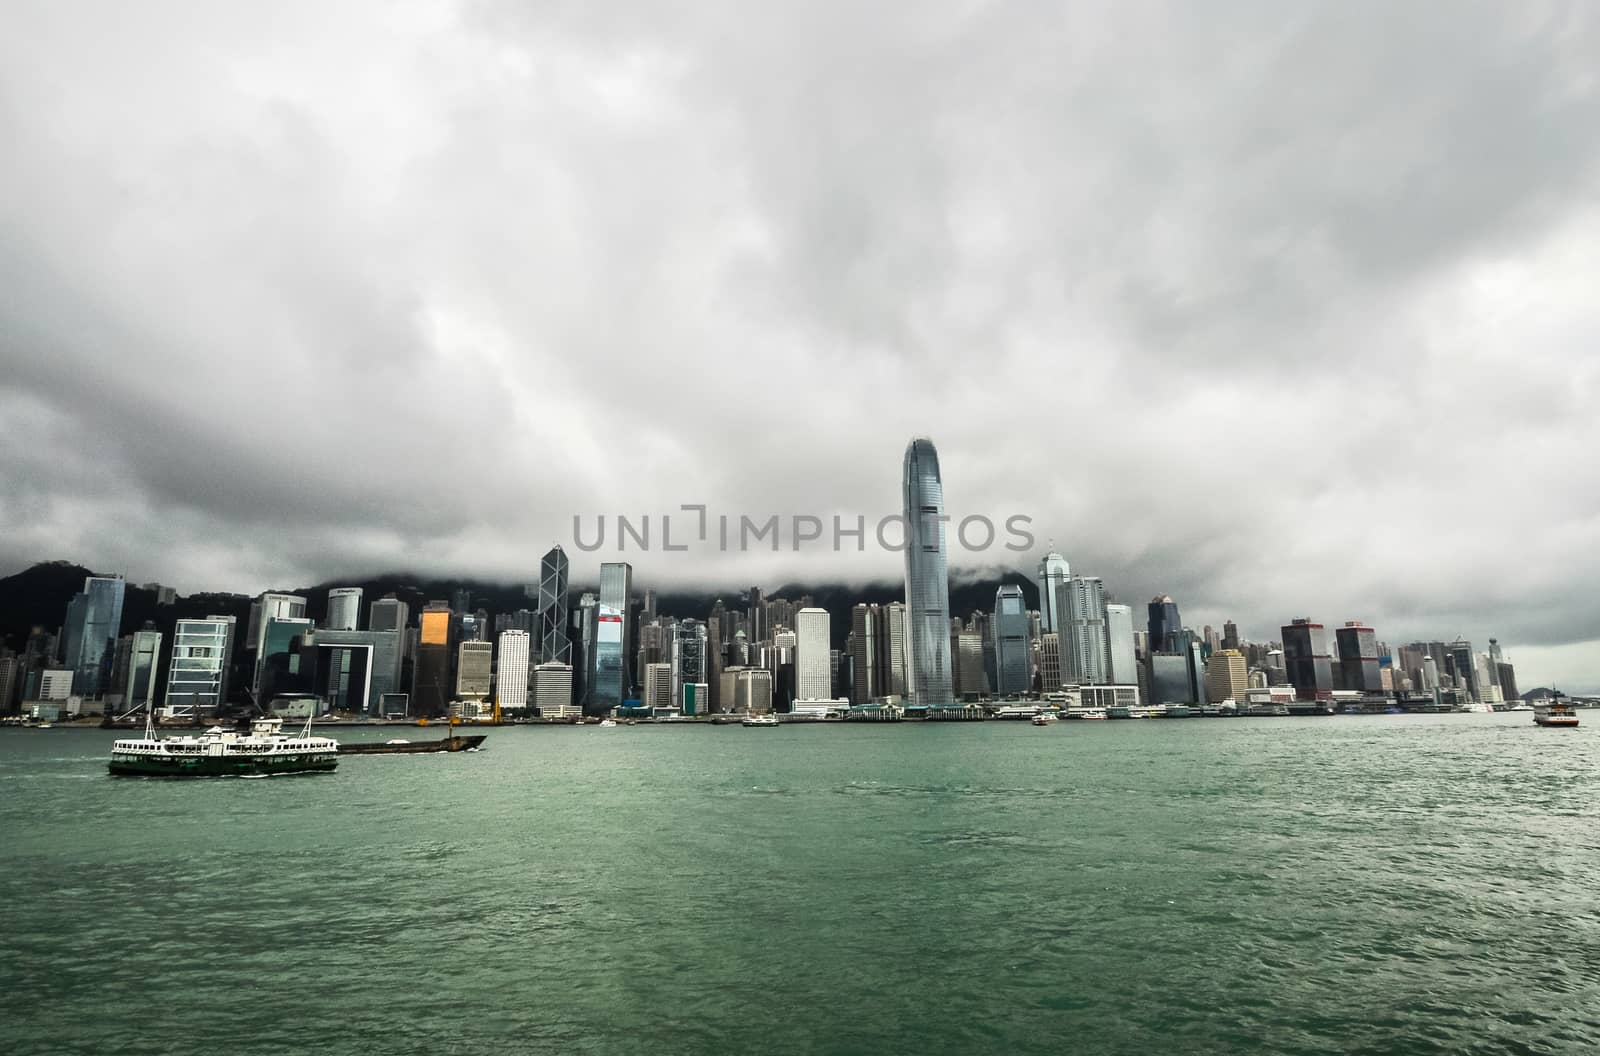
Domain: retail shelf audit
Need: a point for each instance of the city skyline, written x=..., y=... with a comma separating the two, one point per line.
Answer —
x=1319, y=294
x=1257, y=627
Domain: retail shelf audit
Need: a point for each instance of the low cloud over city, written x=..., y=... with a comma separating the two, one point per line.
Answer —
x=1283, y=310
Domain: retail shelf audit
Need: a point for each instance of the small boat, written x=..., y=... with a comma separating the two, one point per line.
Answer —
x=607, y=722
x=760, y=720
x=1044, y=718
x=1551, y=712
x=263, y=751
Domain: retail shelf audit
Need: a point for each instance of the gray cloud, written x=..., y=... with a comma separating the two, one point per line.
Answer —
x=1281, y=309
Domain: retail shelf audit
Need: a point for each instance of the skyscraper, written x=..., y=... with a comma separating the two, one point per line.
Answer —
x=1165, y=624
x=1121, y=654
x=287, y=661
x=431, y=681
x=552, y=691
x=813, y=671
x=1358, y=658
x=688, y=658
x=267, y=608
x=361, y=668
x=197, y=671
x=927, y=578
x=1050, y=662
x=616, y=593
x=1461, y=657
x=607, y=684
x=1230, y=635
x=553, y=642
x=1504, y=672
x=894, y=618
x=1227, y=676
x=864, y=653
x=1083, y=640
x=754, y=693
x=10, y=670
x=758, y=616
x=344, y=609
x=1053, y=572
x=1307, y=660
x=511, y=670
x=1010, y=629
x=389, y=613
x=143, y=664
x=657, y=686
x=474, y=670
x=974, y=681
x=94, y=622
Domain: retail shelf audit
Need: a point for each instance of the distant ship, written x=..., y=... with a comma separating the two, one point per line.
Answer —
x=265, y=751
x=760, y=720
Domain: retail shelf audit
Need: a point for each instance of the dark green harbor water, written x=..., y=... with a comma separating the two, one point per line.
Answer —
x=1348, y=885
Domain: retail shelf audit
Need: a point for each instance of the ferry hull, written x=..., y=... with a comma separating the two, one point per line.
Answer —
x=219, y=766
x=448, y=744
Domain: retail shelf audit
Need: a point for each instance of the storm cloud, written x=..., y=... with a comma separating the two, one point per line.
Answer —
x=1283, y=309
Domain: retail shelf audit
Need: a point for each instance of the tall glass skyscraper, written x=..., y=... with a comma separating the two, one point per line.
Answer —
x=554, y=646
x=94, y=621
x=1053, y=574
x=1165, y=624
x=1013, y=662
x=927, y=578
x=609, y=628
x=616, y=591
x=198, y=675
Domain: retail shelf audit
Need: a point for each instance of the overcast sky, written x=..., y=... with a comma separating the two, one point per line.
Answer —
x=1282, y=309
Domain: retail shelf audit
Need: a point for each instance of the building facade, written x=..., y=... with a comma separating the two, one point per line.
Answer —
x=1227, y=676
x=144, y=663
x=93, y=625
x=344, y=609
x=1084, y=641
x=552, y=690
x=474, y=670
x=1358, y=658
x=1121, y=648
x=389, y=614
x=927, y=578
x=197, y=668
x=553, y=641
x=657, y=687
x=813, y=669
x=1053, y=575
x=431, y=677
x=1165, y=623
x=267, y=608
x=1307, y=660
x=1010, y=630
x=511, y=669
x=616, y=594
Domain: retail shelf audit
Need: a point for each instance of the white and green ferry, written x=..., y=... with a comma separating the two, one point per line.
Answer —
x=264, y=751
